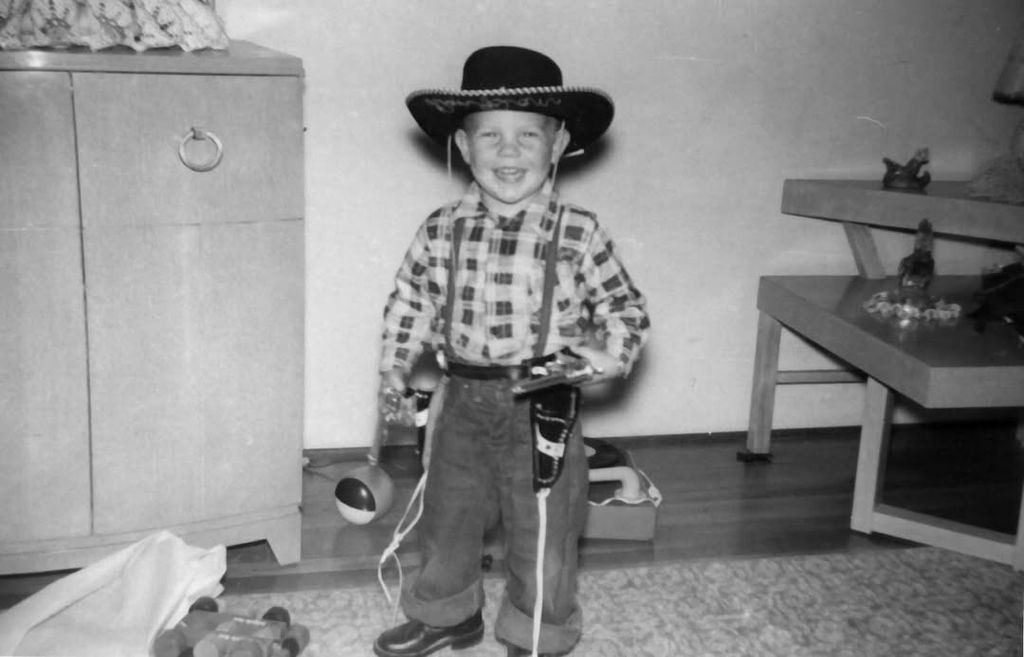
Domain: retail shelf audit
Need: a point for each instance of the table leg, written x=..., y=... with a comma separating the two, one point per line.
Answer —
x=1018, y=545
x=874, y=447
x=1017, y=559
x=865, y=252
x=762, y=394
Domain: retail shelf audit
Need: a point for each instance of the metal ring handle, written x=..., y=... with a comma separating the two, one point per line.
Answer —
x=198, y=134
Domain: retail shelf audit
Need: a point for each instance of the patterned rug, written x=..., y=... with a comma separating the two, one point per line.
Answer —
x=907, y=602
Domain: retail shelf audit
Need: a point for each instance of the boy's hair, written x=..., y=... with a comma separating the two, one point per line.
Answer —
x=552, y=121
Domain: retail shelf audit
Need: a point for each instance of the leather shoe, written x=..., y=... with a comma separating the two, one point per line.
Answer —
x=416, y=639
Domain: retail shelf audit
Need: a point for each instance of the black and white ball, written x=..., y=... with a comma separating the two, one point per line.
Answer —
x=364, y=494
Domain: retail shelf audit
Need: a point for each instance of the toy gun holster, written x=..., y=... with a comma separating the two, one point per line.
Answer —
x=553, y=414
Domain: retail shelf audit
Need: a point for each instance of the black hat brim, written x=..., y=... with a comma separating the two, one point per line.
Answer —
x=587, y=112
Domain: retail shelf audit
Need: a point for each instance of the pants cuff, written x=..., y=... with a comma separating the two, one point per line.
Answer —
x=515, y=627
x=444, y=612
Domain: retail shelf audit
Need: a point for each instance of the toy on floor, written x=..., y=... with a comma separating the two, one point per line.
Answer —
x=207, y=632
x=367, y=492
x=623, y=500
x=364, y=494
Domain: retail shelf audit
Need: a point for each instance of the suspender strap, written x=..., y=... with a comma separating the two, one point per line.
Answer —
x=550, y=279
x=449, y=304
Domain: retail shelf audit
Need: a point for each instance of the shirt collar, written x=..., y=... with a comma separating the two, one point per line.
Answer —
x=540, y=212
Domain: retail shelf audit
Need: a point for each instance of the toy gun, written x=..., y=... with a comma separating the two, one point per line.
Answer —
x=568, y=368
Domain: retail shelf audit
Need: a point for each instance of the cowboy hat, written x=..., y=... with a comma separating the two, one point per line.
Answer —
x=512, y=78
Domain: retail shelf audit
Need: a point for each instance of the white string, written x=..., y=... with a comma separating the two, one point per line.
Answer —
x=538, y=601
x=436, y=400
x=396, y=540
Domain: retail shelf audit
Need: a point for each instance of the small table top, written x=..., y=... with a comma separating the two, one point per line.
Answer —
x=945, y=203
x=937, y=366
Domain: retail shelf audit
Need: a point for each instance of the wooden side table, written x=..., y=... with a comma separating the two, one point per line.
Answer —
x=934, y=366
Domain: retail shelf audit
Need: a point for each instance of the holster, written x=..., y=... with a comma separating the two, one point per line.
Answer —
x=553, y=414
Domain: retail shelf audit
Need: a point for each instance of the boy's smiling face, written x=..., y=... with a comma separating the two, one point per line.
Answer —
x=510, y=154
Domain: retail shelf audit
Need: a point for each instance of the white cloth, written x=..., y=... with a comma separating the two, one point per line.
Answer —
x=116, y=606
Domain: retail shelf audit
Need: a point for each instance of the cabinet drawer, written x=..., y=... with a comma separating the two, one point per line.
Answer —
x=136, y=139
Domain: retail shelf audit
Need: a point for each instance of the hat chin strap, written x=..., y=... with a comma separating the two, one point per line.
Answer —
x=448, y=158
x=555, y=160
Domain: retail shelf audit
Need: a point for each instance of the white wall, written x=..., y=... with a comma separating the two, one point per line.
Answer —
x=717, y=103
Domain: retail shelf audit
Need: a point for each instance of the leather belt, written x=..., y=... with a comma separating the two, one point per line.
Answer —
x=496, y=372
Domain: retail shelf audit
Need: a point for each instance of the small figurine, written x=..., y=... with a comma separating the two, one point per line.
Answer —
x=907, y=177
x=910, y=304
x=917, y=270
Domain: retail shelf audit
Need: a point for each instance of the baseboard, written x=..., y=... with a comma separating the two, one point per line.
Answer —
x=323, y=456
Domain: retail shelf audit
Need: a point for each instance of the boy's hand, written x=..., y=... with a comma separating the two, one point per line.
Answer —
x=605, y=365
x=394, y=405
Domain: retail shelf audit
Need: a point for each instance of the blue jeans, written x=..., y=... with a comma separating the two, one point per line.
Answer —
x=480, y=474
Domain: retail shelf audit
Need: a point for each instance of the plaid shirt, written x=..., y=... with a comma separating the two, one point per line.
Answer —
x=499, y=287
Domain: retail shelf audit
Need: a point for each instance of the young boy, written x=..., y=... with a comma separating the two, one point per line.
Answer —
x=508, y=278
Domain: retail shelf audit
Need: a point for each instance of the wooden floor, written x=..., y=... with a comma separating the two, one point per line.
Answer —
x=714, y=506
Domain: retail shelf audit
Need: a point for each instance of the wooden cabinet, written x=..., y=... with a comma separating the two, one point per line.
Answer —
x=152, y=287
